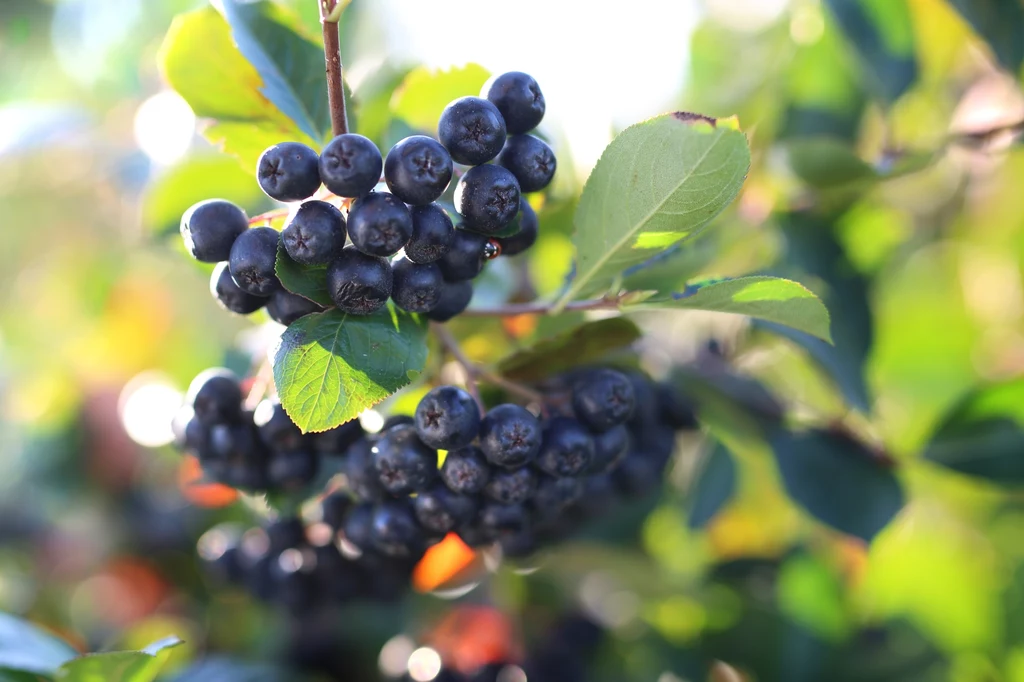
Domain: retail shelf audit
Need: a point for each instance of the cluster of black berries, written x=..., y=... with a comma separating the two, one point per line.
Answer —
x=253, y=450
x=432, y=275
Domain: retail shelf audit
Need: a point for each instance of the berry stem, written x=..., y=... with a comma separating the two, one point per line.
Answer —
x=330, y=13
x=544, y=308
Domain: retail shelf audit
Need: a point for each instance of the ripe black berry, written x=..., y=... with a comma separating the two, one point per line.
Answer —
x=676, y=409
x=210, y=227
x=510, y=436
x=316, y=234
x=439, y=510
x=358, y=527
x=290, y=471
x=276, y=428
x=465, y=258
x=404, y=464
x=455, y=297
x=603, y=398
x=196, y=439
x=361, y=473
x=511, y=486
x=465, y=470
x=418, y=169
x=487, y=197
x=552, y=495
x=567, y=448
x=285, y=307
x=350, y=165
x=447, y=418
x=527, y=234
x=396, y=420
x=636, y=475
x=338, y=440
x=253, y=259
x=503, y=518
x=285, y=533
x=334, y=508
x=358, y=283
x=417, y=286
x=395, y=531
x=230, y=296
x=519, y=99
x=530, y=159
x=432, y=233
x=379, y=224
x=289, y=171
x=472, y=130
x=609, y=449
x=216, y=397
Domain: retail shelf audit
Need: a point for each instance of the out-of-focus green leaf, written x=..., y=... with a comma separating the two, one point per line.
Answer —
x=734, y=405
x=882, y=34
x=712, y=488
x=838, y=480
x=194, y=180
x=983, y=435
x=1001, y=24
x=119, y=666
x=425, y=92
x=672, y=269
x=768, y=298
x=308, y=281
x=656, y=184
x=24, y=647
x=331, y=366
x=588, y=343
x=825, y=162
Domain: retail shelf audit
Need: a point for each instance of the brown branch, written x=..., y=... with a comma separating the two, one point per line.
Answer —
x=332, y=57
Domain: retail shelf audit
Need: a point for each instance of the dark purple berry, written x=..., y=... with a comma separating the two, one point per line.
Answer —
x=379, y=224
x=531, y=160
x=519, y=99
x=466, y=470
x=503, y=518
x=230, y=296
x=567, y=448
x=276, y=428
x=472, y=130
x=417, y=286
x=350, y=165
x=439, y=510
x=603, y=398
x=553, y=495
x=432, y=233
x=338, y=440
x=253, y=261
x=447, y=418
x=511, y=486
x=216, y=397
x=316, y=233
x=285, y=307
x=357, y=283
x=289, y=171
x=292, y=471
x=527, y=234
x=455, y=297
x=510, y=436
x=210, y=227
x=609, y=449
x=676, y=409
x=404, y=464
x=487, y=197
x=465, y=258
x=418, y=169
x=395, y=531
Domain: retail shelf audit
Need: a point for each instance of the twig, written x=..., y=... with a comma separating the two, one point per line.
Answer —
x=543, y=308
x=332, y=56
x=261, y=384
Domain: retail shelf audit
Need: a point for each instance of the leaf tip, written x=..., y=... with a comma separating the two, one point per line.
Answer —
x=702, y=121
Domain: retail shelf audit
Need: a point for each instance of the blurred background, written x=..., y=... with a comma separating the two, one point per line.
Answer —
x=885, y=176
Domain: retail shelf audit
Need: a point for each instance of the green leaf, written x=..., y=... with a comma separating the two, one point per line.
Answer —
x=424, y=93
x=119, y=666
x=983, y=435
x=331, y=366
x=732, y=404
x=838, y=480
x=587, y=343
x=714, y=485
x=827, y=162
x=309, y=281
x=27, y=648
x=768, y=298
x=200, y=61
x=882, y=34
x=657, y=183
x=1001, y=24
x=671, y=269
x=193, y=180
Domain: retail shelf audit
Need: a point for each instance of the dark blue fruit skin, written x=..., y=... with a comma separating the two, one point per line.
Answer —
x=404, y=464
x=230, y=295
x=554, y=495
x=503, y=518
x=196, y=439
x=510, y=436
x=676, y=410
x=609, y=449
x=338, y=440
x=316, y=233
x=395, y=530
x=439, y=510
x=358, y=527
x=418, y=170
x=210, y=227
x=292, y=471
x=396, y=420
x=510, y=487
x=527, y=234
x=487, y=198
x=417, y=286
x=379, y=224
x=253, y=261
x=465, y=258
x=432, y=233
x=447, y=418
x=216, y=396
x=289, y=171
x=466, y=470
x=638, y=474
x=567, y=448
x=472, y=130
x=350, y=165
x=276, y=428
x=334, y=508
x=531, y=160
x=284, y=307
x=455, y=297
x=285, y=533
x=603, y=398
x=360, y=472
x=519, y=99
x=359, y=284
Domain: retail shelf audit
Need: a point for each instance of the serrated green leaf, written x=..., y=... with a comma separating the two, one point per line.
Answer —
x=671, y=269
x=200, y=61
x=983, y=435
x=657, y=183
x=714, y=485
x=308, y=281
x=425, y=92
x=1001, y=24
x=585, y=344
x=768, y=298
x=27, y=648
x=119, y=666
x=838, y=481
x=331, y=366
